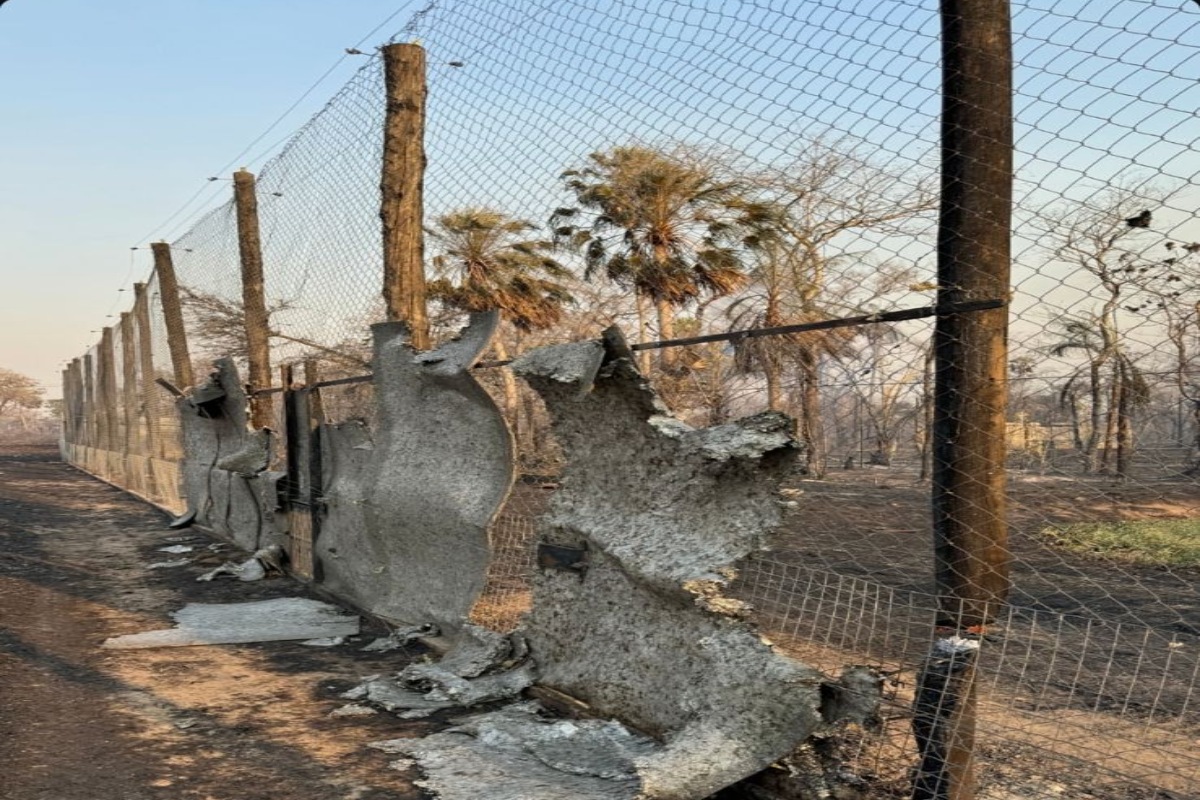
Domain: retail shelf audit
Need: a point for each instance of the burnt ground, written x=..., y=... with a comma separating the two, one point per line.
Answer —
x=249, y=722
x=1090, y=677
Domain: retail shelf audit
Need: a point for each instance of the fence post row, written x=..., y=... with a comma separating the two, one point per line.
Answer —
x=254, y=299
x=969, y=520
x=401, y=189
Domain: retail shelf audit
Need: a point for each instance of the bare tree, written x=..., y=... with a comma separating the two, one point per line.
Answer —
x=829, y=193
x=218, y=329
x=18, y=392
x=1112, y=240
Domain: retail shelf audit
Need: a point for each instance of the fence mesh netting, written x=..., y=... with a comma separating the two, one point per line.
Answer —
x=786, y=155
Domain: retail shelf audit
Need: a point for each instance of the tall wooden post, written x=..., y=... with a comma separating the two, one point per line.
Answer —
x=168, y=292
x=78, y=414
x=129, y=385
x=401, y=189
x=969, y=517
x=149, y=390
x=107, y=374
x=254, y=298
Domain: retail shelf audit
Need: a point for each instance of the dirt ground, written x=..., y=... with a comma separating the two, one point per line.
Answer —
x=232, y=722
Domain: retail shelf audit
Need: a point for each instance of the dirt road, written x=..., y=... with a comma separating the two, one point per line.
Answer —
x=244, y=722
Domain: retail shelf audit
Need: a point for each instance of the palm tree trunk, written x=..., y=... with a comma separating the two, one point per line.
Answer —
x=1093, y=438
x=1193, y=468
x=810, y=413
x=666, y=330
x=771, y=364
x=1110, y=420
x=512, y=401
x=1124, y=423
x=644, y=356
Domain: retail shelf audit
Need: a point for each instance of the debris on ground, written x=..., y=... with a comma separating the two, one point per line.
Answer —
x=483, y=666
x=276, y=620
x=177, y=548
x=353, y=710
x=182, y=562
x=399, y=638
x=258, y=566
x=325, y=641
x=516, y=753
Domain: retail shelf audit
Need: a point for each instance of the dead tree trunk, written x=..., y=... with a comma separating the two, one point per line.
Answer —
x=254, y=299
x=402, y=187
x=970, y=534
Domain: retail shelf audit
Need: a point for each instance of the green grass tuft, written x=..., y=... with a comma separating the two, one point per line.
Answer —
x=1157, y=542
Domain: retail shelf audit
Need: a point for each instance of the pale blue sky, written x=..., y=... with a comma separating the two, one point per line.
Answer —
x=113, y=114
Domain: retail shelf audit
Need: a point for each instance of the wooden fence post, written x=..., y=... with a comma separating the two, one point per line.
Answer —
x=969, y=515
x=168, y=292
x=149, y=393
x=107, y=375
x=401, y=190
x=254, y=299
x=129, y=385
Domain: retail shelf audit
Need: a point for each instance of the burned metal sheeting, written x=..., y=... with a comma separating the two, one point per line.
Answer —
x=279, y=619
x=645, y=634
x=225, y=463
x=518, y=754
x=483, y=666
x=406, y=534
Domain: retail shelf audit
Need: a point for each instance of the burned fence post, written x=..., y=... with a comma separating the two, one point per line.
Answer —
x=254, y=299
x=302, y=418
x=401, y=187
x=168, y=292
x=969, y=524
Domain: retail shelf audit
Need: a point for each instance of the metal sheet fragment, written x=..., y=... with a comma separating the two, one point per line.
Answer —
x=666, y=513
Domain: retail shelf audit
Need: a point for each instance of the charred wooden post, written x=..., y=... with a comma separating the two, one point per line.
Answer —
x=168, y=292
x=254, y=299
x=401, y=189
x=303, y=417
x=969, y=519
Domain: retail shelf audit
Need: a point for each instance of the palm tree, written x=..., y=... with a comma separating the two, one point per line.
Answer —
x=489, y=260
x=1082, y=333
x=669, y=225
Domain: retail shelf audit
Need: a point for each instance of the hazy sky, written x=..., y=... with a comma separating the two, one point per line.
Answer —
x=113, y=114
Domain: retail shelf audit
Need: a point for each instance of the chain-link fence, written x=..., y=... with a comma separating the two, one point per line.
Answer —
x=791, y=150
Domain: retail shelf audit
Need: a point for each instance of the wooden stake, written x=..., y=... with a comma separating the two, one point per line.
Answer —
x=401, y=189
x=254, y=298
x=969, y=515
x=107, y=374
x=149, y=393
x=129, y=385
x=168, y=292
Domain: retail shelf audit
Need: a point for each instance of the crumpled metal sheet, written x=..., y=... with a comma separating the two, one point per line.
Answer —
x=278, y=619
x=517, y=754
x=666, y=513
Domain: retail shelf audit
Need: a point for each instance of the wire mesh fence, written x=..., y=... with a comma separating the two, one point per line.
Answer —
x=793, y=147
